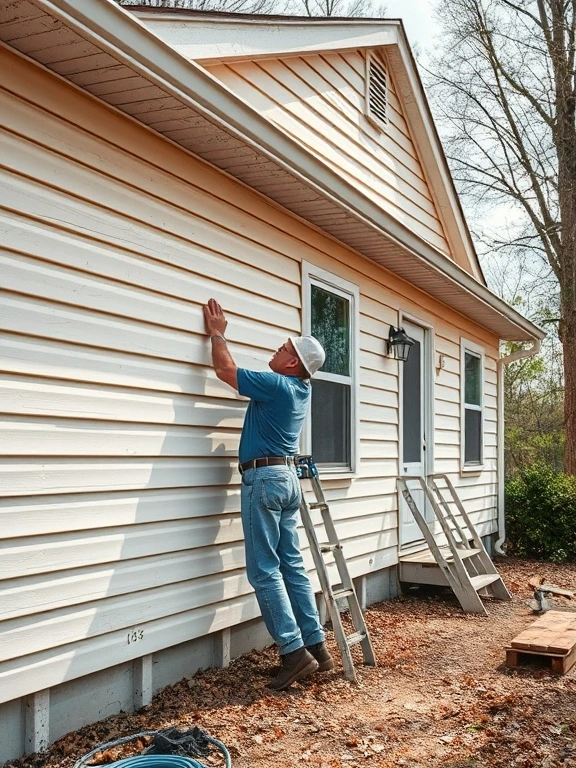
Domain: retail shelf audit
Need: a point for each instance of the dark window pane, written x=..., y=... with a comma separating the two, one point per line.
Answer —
x=472, y=387
x=472, y=437
x=331, y=326
x=331, y=423
x=411, y=406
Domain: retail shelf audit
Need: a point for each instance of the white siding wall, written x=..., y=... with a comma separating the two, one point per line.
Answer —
x=319, y=100
x=119, y=497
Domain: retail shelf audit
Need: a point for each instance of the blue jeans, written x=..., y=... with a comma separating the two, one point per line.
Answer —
x=270, y=503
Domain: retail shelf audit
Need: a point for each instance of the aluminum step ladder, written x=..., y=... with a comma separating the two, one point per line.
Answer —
x=463, y=562
x=307, y=470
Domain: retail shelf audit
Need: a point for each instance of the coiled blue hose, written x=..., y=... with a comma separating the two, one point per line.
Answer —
x=152, y=761
x=157, y=761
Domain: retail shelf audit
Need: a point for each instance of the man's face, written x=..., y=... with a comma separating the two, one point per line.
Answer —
x=285, y=360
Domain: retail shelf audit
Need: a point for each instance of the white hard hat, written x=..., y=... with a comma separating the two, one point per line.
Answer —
x=310, y=352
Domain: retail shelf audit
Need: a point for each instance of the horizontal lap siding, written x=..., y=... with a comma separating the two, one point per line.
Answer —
x=119, y=495
x=319, y=100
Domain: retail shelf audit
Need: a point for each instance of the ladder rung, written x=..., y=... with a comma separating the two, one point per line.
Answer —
x=340, y=594
x=329, y=547
x=357, y=637
x=318, y=505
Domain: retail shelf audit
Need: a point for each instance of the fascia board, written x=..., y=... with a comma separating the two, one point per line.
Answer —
x=206, y=39
x=116, y=31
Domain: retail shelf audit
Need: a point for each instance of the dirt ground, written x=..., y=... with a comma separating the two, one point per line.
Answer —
x=440, y=696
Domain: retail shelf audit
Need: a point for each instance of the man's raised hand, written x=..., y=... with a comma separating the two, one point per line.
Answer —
x=214, y=319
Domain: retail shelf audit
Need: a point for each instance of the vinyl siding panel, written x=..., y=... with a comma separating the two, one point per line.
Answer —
x=119, y=493
x=319, y=100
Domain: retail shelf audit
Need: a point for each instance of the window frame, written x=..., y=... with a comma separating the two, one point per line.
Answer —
x=312, y=275
x=471, y=348
x=376, y=121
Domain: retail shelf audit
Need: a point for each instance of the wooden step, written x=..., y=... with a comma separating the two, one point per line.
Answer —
x=425, y=556
x=552, y=637
x=416, y=572
x=479, y=582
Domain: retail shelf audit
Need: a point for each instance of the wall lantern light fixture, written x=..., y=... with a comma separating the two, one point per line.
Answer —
x=399, y=344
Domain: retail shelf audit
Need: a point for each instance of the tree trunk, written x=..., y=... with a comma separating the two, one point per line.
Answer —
x=569, y=346
x=559, y=38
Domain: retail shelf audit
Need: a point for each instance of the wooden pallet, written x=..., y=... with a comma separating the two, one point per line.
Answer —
x=552, y=637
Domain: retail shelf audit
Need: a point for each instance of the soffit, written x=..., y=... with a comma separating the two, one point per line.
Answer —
x=103, y=50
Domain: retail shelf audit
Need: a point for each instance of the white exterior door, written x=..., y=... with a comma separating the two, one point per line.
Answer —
x=415, y=424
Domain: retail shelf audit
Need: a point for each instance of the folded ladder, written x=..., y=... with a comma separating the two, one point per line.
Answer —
x=306, y=469
x=462, y=562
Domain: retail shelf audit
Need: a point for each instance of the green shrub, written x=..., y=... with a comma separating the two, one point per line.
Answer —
x=541, y=515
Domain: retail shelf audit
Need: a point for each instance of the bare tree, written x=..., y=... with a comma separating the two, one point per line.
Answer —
x=231, y=6
x=504, y=85
x=348, y=8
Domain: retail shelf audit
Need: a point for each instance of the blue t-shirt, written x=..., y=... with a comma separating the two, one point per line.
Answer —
x=275, y=415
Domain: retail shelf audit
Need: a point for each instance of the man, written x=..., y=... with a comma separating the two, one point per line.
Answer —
x=271, y=494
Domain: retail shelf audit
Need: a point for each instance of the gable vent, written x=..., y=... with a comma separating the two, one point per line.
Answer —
x=377, y=96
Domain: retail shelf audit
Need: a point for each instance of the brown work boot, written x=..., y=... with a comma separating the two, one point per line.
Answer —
x=295, y=665
x=322, y=656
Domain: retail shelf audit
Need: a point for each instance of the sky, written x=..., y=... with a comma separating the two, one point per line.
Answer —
x=417, y=18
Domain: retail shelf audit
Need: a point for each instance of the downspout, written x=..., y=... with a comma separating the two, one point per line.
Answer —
x=502, y=361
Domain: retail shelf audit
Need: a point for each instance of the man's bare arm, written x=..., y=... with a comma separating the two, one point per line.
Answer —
x=215, y=322
x=224, y=366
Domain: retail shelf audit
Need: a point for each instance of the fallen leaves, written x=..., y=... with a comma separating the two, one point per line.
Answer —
x=440, y=698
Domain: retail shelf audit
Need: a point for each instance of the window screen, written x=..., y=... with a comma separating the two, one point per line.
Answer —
x=473, y=426
x=331, y=313
x=412, y=410
x=330, y=423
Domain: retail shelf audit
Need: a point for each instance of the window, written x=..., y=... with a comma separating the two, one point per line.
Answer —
x=329, y=314
x=376, y=92
x=472, y=374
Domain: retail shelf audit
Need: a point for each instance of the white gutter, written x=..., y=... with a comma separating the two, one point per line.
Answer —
x=519, y=355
